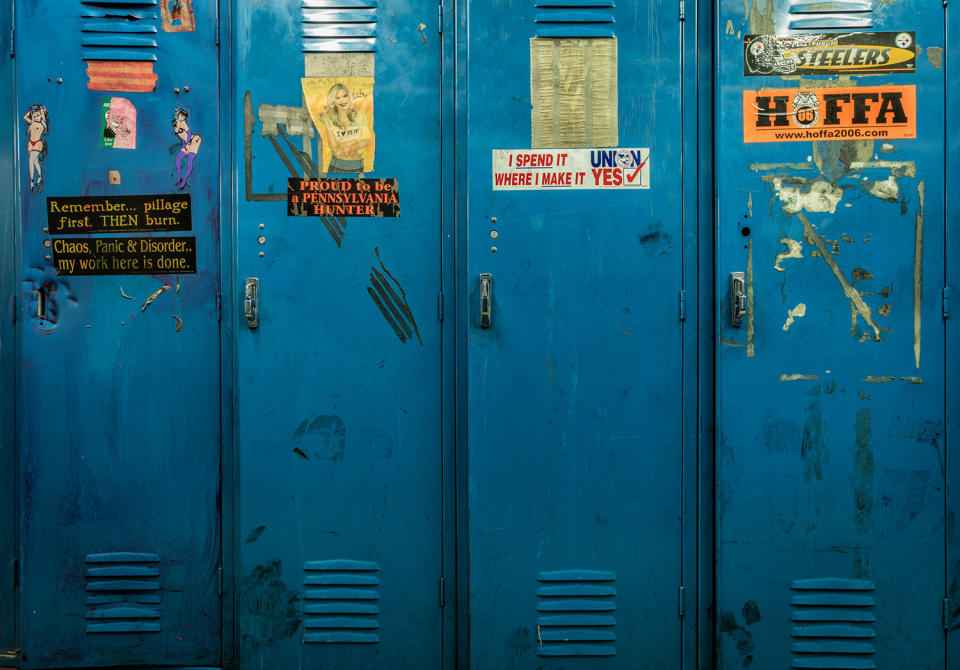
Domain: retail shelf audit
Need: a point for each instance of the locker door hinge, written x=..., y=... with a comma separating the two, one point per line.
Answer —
x=682, y=10
x=219, y=306
x=946, y=614
x=220, y=581
x=682, y=601
x=440, y=18
x=945, y=308
x=216, y=32
x=443, y=592
x=440, y=306
x=683, y=305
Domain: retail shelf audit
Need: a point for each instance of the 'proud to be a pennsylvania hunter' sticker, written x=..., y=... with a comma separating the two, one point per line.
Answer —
x=829, y=53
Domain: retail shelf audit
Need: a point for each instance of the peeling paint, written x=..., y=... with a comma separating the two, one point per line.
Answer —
x=821, y=196
x=769, y=167
x=179, y=321
x=761, y=23
x=796, y=377
x=128, y=297
x=918, y=277
x=748, y=280
x=884, y=310
x=154, y=296
x=870, y=379
x=750, y=204
x=935, y=56
x=794, y=250
x=897, y=168
x=795, y=313
x=888, y=189
x=811, y=237
x=729, y=29
x=913, y=380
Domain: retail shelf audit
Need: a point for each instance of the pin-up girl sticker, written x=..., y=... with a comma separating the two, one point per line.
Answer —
x=189, y=145
x=38, y=125
x=342, y=111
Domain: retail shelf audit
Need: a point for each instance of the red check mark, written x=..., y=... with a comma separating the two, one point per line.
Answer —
x=630, y=178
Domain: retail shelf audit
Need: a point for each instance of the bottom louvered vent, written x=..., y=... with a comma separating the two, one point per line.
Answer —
x=576, y=613
x=341, y=602
x=832, y=624
x=123, y=593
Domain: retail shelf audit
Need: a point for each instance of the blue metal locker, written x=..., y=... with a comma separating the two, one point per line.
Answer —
x=118, y=405
x=575, y=340
x=831, y=375
x=338, y=411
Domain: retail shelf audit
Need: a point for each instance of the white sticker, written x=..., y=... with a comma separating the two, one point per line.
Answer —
x=554, y=169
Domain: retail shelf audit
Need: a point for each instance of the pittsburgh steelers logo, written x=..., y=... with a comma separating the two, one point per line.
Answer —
x=903, y=40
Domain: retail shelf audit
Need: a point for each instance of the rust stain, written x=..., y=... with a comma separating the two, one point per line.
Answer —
x=748, y=280
x=863, y=310
x=918, y=277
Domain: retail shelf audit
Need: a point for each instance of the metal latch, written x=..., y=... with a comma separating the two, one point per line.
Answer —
x=486, y=299
x=738, y=299
x=251, y=302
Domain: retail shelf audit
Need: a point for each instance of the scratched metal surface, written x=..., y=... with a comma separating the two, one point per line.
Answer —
x=119, y=411
x=574, y=392
x=830, y=397
x=339, y=420
x=8, y=347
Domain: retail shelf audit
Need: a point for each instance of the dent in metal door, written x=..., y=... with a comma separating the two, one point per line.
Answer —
x=830, y=396
x=573, y=302
x=119, y=380
x=339, y=410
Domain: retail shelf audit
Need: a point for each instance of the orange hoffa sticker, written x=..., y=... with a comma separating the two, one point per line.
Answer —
x=852, y=113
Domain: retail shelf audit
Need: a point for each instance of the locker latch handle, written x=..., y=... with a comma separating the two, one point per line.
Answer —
x=738, y=300
x=486, y=299
x=251, y=302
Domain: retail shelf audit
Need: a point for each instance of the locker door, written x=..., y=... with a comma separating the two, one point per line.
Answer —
x=830, y=393
x=574, y=354
x=120, y=345
x=338, y=413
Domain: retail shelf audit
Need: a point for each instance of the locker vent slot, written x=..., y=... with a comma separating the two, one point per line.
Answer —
x=123, y=593
x=573, y=91
x=341, y=602
x=334, y=26
x=576, y=613
x=113, y=30
x=574, y=18
x=832, y=623
x=830, y=15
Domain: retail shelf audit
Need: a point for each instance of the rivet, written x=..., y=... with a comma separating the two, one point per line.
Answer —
x=261, y=254
x=494, y=234
x=59, y=80
x=493, y=219
x=261, y=226
x=47, y=243
x=186, y=89
x=176, y=91
x=261, y=240
x=493, y=250
x=47, y=257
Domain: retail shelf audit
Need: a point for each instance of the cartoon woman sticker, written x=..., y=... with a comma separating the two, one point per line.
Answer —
x=189, y=145
x=38, y=125
x=348, y=131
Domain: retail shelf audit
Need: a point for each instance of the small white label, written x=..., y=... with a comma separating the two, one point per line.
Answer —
x=556, y=169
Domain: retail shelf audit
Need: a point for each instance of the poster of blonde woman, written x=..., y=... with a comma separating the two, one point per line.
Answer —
x=342, y=111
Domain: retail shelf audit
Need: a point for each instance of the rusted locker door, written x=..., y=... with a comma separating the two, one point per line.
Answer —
x=574, y=352
x=830, y=389
x=338, y=414
x=117, y=129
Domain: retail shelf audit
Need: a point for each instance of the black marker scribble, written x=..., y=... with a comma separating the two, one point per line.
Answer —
x=384, y=293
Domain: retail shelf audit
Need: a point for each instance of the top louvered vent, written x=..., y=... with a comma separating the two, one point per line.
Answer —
x=830, y=14
x=574, y=18
x=334, y=26
x=119, y=30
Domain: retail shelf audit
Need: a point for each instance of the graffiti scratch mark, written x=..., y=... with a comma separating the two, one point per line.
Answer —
x=918, y=277
x=748, y=280
x=154, y=296
x=794, y=250
x=811, y=237
x=394, y=307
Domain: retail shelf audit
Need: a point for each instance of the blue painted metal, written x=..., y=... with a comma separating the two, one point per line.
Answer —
x=9, y=272
x=119, y=408
x=574, y=413
x=334, y=409
x=830, y=442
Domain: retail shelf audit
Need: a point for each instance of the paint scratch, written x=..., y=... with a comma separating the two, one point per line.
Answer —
x=795, y=313
x=748, y=280
x=154, y=296
x=128, y=297
x=796, y=377
x=794, y=250
x=179, y=323
x=877, y=380
x=918, y=277
x=913, y=380
x=811, y=237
